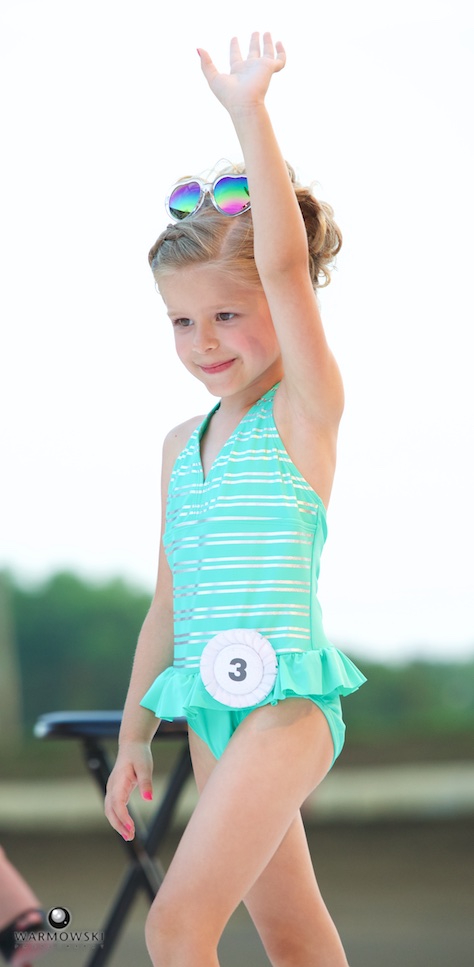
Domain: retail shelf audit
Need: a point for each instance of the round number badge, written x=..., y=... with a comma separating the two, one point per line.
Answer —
x=238, y=667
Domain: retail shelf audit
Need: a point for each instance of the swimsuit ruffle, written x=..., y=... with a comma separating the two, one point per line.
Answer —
x=323, y=673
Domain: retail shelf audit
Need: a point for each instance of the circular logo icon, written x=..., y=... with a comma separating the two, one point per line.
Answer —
x=59, y=917
x=238, y=667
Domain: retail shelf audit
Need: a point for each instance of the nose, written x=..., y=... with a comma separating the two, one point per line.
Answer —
x=205, y=337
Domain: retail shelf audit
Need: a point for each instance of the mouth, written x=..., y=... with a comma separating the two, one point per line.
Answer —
x=217, y=367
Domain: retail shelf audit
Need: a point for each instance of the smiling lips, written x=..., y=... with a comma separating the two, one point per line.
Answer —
x=218, y=367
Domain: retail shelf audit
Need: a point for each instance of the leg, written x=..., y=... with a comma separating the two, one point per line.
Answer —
x=289, y=912
x=285, y=903
x=248, y=803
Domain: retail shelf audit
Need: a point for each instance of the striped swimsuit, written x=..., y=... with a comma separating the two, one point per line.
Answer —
x=244, y=548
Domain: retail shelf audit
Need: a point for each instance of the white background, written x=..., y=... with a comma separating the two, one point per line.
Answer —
x=104, y=107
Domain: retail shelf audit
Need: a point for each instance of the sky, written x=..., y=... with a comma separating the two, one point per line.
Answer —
x=104, y=109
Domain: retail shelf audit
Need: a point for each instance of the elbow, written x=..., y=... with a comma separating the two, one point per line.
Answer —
x=283, y=267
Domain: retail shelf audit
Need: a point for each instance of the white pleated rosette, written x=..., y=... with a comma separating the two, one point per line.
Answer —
x=238, y=667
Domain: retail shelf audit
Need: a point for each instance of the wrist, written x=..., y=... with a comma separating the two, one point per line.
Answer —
x=138, y=733
x=128, y=749
x=248, y=111
x=130, y=739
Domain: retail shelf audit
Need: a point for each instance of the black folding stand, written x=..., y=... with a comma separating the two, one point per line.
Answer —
x=91, y=729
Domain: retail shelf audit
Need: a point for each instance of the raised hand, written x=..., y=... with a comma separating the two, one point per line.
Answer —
x=248, y=80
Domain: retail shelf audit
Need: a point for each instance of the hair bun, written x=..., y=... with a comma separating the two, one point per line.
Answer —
x=212, y=237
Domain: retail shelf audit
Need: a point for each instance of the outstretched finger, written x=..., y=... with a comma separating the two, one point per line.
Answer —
x=207, y=66
x=268, y=49
x=254, y=46
x=235, y=53
x=280, y=59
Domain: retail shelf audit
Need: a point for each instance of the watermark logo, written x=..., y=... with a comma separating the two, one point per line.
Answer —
x=59, y=917
x=54, y=933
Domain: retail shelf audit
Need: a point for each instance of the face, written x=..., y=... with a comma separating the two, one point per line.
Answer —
x=223, y=330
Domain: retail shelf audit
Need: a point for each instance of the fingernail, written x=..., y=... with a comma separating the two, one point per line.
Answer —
x=147, y=795
x=128, y=827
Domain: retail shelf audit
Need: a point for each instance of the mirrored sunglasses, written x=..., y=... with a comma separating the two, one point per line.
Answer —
x=228, y=193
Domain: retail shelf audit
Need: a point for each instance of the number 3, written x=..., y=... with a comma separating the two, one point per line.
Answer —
x=240, y=674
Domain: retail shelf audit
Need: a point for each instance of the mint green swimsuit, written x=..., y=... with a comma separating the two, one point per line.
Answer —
x=244, y=547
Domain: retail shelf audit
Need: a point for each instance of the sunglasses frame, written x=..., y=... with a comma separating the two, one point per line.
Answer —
x=206, y=188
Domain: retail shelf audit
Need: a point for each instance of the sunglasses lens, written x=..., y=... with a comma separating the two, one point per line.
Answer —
x=232, y=194
x=184, y=199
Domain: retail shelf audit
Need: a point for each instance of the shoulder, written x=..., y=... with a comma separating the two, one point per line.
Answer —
x=174, y=442
x=176, y=439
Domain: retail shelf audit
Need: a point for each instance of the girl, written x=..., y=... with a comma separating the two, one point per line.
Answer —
x=233, y=639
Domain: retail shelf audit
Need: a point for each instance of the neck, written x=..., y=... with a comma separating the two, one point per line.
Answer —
x=240, y=403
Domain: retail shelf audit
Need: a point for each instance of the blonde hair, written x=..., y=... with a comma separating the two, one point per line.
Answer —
x=212, y=237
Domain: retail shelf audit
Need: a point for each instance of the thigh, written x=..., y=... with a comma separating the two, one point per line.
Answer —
x=248, y=802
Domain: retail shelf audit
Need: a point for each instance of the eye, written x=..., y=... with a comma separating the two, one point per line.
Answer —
x=181, y=323
x=225, y=316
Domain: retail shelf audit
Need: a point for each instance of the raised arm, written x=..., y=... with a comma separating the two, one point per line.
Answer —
x=280, y=242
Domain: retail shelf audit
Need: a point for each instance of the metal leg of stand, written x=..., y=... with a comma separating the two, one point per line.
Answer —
x=144, y=872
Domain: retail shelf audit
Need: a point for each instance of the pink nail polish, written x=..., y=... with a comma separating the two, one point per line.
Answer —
x=148, y=795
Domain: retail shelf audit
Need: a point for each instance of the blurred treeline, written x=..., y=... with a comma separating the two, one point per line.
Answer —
x=74, y=642
x=68, y=644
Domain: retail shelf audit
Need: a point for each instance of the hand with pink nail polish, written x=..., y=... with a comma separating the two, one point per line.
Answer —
x=132, y=769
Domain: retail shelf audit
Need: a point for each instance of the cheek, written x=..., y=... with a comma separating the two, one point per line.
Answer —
x=263, y=342
x=181, y=347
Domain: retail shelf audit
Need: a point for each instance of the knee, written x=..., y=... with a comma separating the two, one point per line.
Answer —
x=161, y=931
x=283, y=947
x=173, y=934
x=286, y=946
